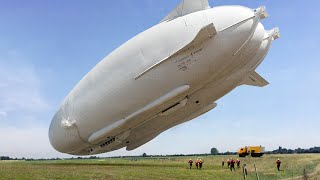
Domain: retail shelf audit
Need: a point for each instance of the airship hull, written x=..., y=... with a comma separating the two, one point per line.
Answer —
x=165, y=76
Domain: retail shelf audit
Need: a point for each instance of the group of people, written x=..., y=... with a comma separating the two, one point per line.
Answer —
x=198, y=163
x=231, y=164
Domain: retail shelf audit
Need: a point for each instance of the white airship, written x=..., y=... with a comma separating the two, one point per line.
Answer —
x=165, y=76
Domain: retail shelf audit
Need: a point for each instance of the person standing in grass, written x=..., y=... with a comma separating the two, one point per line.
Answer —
x=238, y=163
x=232, y=162
x=228, y=162
x=200, y=163
x=190, y=163
x=278, y=164
x=222, y=163
x=197, y=163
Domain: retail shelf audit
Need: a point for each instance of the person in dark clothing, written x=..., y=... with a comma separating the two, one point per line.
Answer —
x=278, y=164
x=232, y=162
x=238, y=163
x=190, y=163
x=200, y=164
x=228, y=162
x=222, y=163
x=197, y=163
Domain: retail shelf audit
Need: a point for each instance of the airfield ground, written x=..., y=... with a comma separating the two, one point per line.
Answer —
x=161, y=168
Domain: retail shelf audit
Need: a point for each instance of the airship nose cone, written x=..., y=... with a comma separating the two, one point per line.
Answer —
x=63, y=135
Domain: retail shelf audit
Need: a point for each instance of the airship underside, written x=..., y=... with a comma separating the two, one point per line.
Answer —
x=163, y=77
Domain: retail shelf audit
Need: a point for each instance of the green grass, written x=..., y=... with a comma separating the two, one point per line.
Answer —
x=154, y=168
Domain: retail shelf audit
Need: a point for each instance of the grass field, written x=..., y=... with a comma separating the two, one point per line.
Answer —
x=163, y=168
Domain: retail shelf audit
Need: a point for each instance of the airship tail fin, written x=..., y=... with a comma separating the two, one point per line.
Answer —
x=187, y=7
x=254, y=79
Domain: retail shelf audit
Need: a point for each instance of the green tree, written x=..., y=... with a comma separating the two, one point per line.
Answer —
x=214, y=151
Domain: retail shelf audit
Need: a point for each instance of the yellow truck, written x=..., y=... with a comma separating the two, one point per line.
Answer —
x=254, y=151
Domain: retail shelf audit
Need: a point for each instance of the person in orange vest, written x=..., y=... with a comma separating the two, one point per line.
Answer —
x=190, y=163
x=278, y=164
x=200, y=163
x=238, y=163
x=232, y=162
x=197, y=163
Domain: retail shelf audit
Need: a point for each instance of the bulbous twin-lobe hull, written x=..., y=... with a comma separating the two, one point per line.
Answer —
x=165, y=76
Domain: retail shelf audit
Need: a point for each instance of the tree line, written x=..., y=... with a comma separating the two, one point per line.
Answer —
x=214, y=151
x=281, y=150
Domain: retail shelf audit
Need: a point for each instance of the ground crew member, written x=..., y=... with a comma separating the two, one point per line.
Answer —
x=200, y=163
x=228, y=162
x=278, y=164
x=238, y=163
x=190, y=163
x=222, y=163
x=232, y=162
x=197, y=163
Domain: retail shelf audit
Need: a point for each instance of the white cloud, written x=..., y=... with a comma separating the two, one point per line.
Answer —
x=3, y=115
x=22, y=105
x=29, y=142
x=20, y=89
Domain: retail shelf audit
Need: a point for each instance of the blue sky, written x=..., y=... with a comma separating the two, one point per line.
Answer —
x=46, y=47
